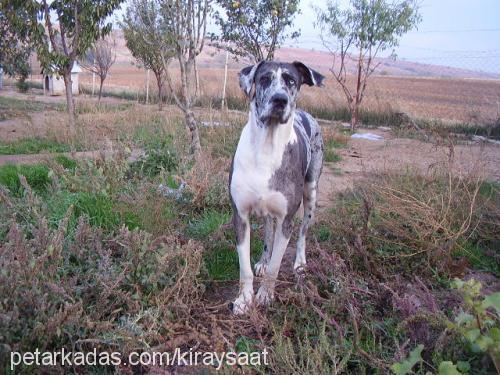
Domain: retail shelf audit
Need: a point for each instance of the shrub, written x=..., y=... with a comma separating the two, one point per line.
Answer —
x=22, y=85
x=160, y=155
x=397, y=222
x=121, y=291
x=207, y=184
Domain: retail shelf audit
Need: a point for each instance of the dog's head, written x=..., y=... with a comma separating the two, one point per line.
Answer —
x=273, y=88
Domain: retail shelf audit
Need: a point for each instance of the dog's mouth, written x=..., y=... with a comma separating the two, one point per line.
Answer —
x=277, y=115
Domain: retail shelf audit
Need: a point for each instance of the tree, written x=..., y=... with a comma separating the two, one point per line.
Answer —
x=358, y=33
x=99, y=60
x=254, y=28
x=184, y=25
x=61, y=31
x=14, y=52
x=141, y=27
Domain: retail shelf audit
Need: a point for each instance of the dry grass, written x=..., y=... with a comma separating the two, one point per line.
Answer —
x=99, y=258
x=458, y=100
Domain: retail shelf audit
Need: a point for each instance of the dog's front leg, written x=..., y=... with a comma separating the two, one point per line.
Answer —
x=281, y=238
x=242, y=228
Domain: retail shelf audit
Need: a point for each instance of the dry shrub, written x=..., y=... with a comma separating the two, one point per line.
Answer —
x=127, y=290
x=398, y=222
x=207, y=183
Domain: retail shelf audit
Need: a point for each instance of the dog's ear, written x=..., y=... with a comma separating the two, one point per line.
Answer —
x=309, y=76
x=247, y=76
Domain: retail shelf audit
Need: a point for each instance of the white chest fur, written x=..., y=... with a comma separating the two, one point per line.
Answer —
x=258, y=155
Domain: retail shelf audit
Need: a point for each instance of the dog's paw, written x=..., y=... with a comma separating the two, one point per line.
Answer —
x=241, y=305
x=264, y=296
x=260, y=268
x=299, y=266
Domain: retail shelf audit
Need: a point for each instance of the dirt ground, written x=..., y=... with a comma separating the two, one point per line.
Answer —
x=360, y=157
x=363, y=157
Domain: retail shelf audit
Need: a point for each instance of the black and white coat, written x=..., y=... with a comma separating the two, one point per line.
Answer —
x=276, y=166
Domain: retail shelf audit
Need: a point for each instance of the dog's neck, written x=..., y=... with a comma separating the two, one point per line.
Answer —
x=270, y=138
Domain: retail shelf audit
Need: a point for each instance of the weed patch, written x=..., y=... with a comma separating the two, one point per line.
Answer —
x=121, y=290
x=160, y=155
x=37, y=176
x=66, y=162
x=32, y=146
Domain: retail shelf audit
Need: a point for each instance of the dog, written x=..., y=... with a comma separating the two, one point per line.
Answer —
x=276, y=166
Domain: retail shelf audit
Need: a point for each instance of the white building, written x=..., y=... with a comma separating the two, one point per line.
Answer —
x=53, y=84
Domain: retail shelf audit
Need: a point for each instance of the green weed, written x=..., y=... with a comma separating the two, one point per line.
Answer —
x=66, y=162
x=36, y=175
x=204, y=226
x=331, y=156
x=32, y=146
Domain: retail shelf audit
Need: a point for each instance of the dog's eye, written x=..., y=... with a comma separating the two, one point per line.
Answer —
x=289, y=81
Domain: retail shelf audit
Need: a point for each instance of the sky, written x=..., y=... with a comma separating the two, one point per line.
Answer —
x=460, y=33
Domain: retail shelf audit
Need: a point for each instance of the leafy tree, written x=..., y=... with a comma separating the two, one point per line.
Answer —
x=14, y=52
x=358, y=33
x=254, y=28
x=61, y=31
x=184, y=24
x=141, y=27
x=99, y=60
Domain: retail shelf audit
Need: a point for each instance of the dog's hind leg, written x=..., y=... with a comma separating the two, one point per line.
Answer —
x=309, y=202
x=245, y=298
x=261, y=265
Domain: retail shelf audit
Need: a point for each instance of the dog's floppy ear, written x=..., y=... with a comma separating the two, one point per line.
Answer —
x=309, y=76
x=247, y=76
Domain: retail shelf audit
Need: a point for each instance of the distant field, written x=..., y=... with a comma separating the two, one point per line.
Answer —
x=398, y=86
x=464, y=100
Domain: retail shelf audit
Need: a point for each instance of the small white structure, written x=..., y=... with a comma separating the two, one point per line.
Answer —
x=53, y=84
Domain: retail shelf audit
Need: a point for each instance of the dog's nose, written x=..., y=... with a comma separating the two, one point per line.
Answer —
x=279, y=100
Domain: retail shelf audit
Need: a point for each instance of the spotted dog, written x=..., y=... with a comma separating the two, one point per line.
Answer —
x=276, y=166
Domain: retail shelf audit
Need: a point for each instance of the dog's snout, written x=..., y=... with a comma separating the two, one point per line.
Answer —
x=279, y=100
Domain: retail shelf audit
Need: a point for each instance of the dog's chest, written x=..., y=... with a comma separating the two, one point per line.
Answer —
x=256, y=165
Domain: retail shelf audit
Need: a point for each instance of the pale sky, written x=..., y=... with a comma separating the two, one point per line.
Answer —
x=461, y=33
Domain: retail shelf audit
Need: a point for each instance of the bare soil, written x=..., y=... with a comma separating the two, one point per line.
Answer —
x=362, y=157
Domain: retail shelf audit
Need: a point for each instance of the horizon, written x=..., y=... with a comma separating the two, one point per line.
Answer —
x=467, y=38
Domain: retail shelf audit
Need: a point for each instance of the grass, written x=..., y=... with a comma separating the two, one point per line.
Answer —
x=331, y=156
x=32, y=146
x=207, y=224
x=332, y=143
x=37, y=176
x=93, y=250
x=66, y=162
x=12, y=107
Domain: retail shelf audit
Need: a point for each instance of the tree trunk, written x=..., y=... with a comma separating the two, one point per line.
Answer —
x=100, y=91
x=195, y=147
x=354, y=116
x=70, y=104
x=357, y=99
x=160, y=91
